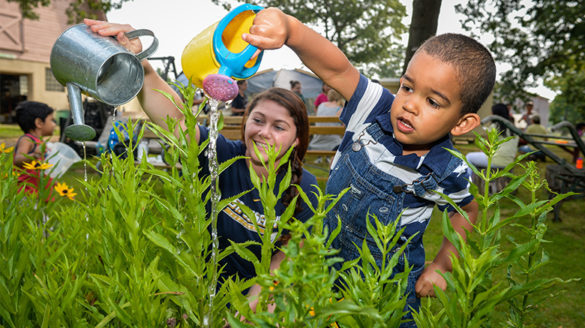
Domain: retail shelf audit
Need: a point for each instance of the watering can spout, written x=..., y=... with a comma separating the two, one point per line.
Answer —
x=79, y=130
x=218, y=55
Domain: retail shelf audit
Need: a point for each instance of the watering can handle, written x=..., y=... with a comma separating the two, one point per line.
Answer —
x=144, y=32
x=235, y=61
x=238, y=61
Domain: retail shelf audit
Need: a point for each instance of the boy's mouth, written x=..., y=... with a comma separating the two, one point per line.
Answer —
x=404, y=125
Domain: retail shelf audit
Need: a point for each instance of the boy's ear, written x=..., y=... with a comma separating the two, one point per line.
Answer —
x=465, y=124
x=39, y=122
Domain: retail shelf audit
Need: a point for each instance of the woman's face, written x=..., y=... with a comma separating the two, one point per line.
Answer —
x=296, y=88
x=269, y=123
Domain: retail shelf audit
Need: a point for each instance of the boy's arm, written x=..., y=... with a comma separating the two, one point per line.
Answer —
x=24, y=147
x=272, y=29
x=442, y=262
x=275, y=262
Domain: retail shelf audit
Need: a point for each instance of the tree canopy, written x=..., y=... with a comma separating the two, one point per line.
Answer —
x=538, y=39
x=78, y=9
x=367, y=31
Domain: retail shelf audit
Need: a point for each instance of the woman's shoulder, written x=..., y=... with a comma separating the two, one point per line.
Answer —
x=307, y=179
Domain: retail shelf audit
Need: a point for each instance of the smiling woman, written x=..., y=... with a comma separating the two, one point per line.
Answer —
x=275, y=119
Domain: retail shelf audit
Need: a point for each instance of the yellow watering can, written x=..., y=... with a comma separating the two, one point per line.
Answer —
x=218, y=54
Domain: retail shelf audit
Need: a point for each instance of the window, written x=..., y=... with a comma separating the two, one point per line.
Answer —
x=51, y=84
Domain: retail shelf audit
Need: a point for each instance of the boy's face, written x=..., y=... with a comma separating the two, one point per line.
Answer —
x=427, y=105
x=48, y=126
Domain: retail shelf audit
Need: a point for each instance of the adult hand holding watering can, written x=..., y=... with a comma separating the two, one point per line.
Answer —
x=116, y=30
x=154, y=104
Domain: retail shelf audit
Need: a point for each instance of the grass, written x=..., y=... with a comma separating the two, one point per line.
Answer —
x=10, y=131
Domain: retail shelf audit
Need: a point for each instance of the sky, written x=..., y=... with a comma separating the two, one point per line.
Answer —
x=176, y=22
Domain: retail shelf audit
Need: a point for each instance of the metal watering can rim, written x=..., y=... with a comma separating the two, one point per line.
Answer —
x=229, y=61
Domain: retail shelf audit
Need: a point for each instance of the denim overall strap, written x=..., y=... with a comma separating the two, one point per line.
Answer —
x=375, y=131
x=371, y=192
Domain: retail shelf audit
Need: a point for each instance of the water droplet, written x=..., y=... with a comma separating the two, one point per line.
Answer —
x=84, y=163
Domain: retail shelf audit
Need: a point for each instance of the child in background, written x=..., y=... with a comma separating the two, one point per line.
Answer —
x=36, y=121
x=393, y=155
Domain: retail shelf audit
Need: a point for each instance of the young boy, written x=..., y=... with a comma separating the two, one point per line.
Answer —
x=393, y=155
x=36, y=120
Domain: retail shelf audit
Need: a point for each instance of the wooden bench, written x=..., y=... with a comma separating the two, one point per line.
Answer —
x=232, y=129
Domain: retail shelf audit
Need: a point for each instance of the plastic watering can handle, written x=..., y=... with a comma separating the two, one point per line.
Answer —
x=233, y=64
x=153, y=46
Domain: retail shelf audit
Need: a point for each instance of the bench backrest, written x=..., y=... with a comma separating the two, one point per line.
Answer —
x=232, y=126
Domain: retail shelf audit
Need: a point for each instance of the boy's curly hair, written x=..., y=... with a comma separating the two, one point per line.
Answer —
x=28, y=111
x=473, y=62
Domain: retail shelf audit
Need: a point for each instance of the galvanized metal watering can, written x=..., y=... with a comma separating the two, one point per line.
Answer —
x=85, y=61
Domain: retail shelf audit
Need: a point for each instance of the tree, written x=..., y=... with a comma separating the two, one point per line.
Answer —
x=538, y=39
x=78, y=9
x=367, y=31
x=570, y=104
x=423, y=25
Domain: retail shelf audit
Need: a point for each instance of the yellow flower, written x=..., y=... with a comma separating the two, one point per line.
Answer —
x=34, y=165
x=65, y=190
x=3, y=148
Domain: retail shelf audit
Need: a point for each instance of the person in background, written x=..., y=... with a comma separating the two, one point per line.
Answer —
x=332, y=107
x=527, y=116
x=534, y=128
x=580, y=127
x=322, y=97
x=37, y=121
x=297, y=88
x=241, y=101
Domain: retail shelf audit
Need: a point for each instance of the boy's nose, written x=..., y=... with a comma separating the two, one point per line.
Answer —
x=410, y=106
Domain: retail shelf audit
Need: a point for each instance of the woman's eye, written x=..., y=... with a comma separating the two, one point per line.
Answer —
x=257, y=120
x=279, y=128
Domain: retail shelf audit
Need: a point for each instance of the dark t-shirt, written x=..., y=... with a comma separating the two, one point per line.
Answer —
x=232, y=223
x=240, y=103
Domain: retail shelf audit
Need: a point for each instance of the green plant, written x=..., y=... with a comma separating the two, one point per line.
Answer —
x=134, y=249
x=472, y=294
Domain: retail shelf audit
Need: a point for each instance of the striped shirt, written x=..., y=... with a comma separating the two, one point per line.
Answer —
x=371, y=103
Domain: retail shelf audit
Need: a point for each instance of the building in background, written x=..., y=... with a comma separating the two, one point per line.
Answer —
x=25, y=49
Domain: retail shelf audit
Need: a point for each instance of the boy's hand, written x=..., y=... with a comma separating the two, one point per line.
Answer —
x=116, y=30
x=429, y=277
x=270, y=30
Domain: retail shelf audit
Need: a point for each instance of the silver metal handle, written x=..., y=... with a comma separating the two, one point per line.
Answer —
x=144, y=32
